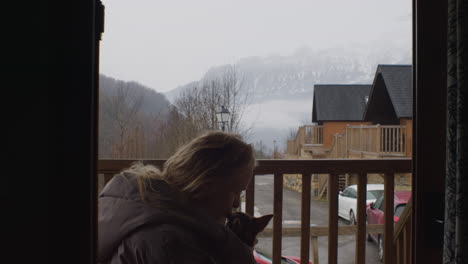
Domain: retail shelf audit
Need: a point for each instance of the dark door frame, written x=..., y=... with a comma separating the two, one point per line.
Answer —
x=430, y=109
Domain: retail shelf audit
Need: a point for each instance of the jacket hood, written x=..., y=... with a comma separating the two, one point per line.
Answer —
x=121, y=211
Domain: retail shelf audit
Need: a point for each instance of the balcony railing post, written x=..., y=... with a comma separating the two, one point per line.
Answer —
x=386, y=140
x=346, y=142
x=250, y=197
x=360, y=138
x=333, y=218
x=305, y=217
x=321, y=135
x=378, y=140
x=314, y=248
x=388, y=215
x=361, y=219
x=400, y=141
x=408, y=240
x=278, y=217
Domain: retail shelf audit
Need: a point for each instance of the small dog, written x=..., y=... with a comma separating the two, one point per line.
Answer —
x=247, y=227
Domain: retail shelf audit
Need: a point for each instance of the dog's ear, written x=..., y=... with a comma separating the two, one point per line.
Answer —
x=233, y=222
x=262, y=222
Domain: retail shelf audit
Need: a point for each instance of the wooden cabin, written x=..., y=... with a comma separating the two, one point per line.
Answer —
x=390, y=111
x=334, y=107
x=391, y=103
x=358, y=122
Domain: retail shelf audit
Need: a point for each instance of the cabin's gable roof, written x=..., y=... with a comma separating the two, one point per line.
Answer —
x=398, y=82
x=339, y=102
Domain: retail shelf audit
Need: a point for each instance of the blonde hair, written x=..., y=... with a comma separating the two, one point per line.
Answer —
x=208, y=160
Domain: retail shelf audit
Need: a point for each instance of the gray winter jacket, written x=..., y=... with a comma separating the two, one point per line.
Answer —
x=131, y=231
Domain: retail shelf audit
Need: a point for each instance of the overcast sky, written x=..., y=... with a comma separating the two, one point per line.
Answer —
x=163, y=44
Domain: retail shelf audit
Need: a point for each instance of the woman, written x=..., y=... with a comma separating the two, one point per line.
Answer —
x=177, y=215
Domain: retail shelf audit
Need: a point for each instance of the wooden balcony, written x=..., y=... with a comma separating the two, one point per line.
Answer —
x=308, y=138
x=313, y=135
x=333, y=168
x=375, y=141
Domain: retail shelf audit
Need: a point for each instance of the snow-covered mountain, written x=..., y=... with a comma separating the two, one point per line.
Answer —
x=281, y=87
x=293, y=76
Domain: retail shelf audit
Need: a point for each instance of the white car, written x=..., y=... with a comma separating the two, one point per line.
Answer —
x=347, y=200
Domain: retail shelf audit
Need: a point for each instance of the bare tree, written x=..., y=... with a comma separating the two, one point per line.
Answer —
x=134, y=130
x=122, y=108
x=200, y=104
x=235, y=95
x=290, y=135
x=276, y=154
x=175, y=132
x=261, y=151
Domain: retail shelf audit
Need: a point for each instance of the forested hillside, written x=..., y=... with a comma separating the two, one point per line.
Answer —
x=130, y=119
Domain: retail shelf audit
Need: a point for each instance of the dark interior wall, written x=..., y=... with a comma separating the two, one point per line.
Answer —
x=24, y=183
x=48, y=191
x=430, y=62
x=380, y=109
x=79, y=126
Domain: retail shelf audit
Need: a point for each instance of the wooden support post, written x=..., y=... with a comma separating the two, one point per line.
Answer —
x=305, y=217
x=333, y=219
x=389, y=253
x=361, y=219
x=250, y=197
x=314, y=249
x=408, y=240
x=360, y=138
x=399, y=139
x=278, y=218
x=346, y=155
x=398, y=246
x=378, y=140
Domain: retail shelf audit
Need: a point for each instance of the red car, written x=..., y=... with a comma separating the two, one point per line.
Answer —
x=375, y=215
x=260, y=258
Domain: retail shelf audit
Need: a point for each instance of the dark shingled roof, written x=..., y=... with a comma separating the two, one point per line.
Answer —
x=339, y=102
x=397, y=79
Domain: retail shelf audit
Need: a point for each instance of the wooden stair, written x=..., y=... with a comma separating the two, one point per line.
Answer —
x=341, y=186
x=323, y=191
x=341, y=182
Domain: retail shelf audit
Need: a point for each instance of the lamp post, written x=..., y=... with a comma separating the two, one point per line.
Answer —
x=223, y=116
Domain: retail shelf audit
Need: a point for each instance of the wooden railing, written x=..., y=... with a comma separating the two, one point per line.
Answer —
x=402, y=238
x=291, y=147
x=308, y=167
x=321, y=231
x=313, y=134
x=376, y=139
x=308, y=134
x=338, y=148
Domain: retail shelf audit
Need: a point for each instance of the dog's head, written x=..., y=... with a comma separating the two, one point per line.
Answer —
x=246, y=227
